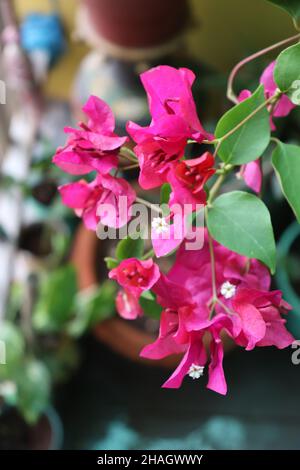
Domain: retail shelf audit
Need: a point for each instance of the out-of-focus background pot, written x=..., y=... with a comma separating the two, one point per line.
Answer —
x=46, y=434
x=132, y=23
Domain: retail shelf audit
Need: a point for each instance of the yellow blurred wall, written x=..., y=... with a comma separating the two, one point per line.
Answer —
x=223, y=32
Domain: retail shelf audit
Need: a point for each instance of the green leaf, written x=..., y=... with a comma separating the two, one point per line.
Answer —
x=93, y=307
x=286, y=162
x=129, y=248
x=56, y=299
x=165, y=192
x=33, y=385
x=291, y=6
x=241, y=222
x=251, y=139
x=287, y=72
x=111, y=263
x=149, y=305
x=12, y=346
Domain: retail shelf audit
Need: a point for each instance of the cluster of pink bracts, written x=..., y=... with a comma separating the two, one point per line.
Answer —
x=242, y=303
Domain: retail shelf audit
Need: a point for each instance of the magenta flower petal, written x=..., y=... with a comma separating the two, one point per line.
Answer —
x=128, y=306
x=136, y=276
x=252, y=174
x=101, y=118
x=75, y=195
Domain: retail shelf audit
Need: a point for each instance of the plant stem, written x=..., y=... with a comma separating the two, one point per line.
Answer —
x=270, y=100
x=275, y=140
x=212, y=262
x=129, y=154
x=227, y=310
x=150, y=205
x=148, y=255
x=230, y=93
x=215, y=188
x=129, y=167
x=205, y=141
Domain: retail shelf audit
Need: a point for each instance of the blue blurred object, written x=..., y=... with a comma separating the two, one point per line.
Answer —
x=43, y=32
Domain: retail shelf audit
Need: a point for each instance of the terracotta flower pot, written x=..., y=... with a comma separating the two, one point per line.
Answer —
x=137, y=23
x=16, y=434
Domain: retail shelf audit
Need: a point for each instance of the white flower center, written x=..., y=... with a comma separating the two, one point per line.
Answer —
x=228, y=290
x=195, y=371
x=160, y=225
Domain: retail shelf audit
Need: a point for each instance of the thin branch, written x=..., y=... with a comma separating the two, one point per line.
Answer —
x=150, y=205
x=230, y=93
x=212, y=262
x=270, y=100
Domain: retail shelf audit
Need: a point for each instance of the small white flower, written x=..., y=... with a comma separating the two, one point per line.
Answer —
x=195, y=371
x=228, y=290
x=160, y=225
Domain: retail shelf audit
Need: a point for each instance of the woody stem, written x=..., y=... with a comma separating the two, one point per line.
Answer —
x=273, y=99
x=212, y=263
x=150, y=205
x=129, y=154
x=230, y=93
x=129, y=167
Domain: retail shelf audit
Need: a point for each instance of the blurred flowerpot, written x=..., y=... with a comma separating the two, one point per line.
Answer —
x=123, y=337
x=288, y=274
x=16, y=434
x=136, y=23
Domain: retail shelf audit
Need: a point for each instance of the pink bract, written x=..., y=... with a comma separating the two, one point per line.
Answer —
x=174, y=121
x=106, y=199
x=251, y=314
x=94, y=146
x=136, y=276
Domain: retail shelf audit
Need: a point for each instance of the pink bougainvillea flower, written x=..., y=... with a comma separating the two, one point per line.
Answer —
x=188, y=178
x=128, y=306
x=284, y=105
x=167, y=233
x=106, y=199
x=251, y=172
x=245, y=309
x=261, y=321
x=169, y=92
x=94, y=146
x=136, y=276
x=196, y=356
x=192, y=269
x=178, y=305
x=174, y=121
x=167, y=236
x=252, y=175
x=174, y=337
x=159, y=147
